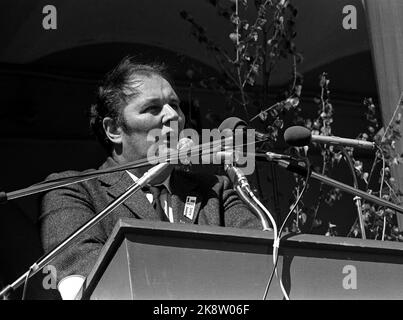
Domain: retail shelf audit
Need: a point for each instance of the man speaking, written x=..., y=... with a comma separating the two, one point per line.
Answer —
x=132, y=100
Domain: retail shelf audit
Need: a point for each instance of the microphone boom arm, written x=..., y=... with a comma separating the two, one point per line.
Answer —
x=337, y=184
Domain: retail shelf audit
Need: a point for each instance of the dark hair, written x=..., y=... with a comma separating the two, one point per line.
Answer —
x=116, y=91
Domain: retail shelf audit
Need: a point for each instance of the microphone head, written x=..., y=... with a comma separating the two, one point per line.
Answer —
x=297, y=136
x=232, y=123
x=184, y=147
x=184, y=144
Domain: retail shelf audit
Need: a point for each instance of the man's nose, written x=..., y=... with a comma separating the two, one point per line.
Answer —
x=170, y=114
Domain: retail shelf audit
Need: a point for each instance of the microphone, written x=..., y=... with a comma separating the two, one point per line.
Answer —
x=189, y=153
x=291, y=164
x=271, y=156
x=240, y=182
x=159, y=153
x=158, y=170
x=234, y=123
x=235, y=174
x=299, y=136
x=237, y=177
x=184, y=148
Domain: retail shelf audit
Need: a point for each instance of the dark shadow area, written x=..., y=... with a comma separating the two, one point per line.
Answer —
x=20, y=247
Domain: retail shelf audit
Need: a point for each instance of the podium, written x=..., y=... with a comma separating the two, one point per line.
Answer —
x=158, y=260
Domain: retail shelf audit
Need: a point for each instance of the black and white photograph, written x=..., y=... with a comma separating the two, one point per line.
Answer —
x=208, y=153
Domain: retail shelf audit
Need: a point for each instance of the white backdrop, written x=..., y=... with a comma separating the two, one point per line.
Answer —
x=386, y=33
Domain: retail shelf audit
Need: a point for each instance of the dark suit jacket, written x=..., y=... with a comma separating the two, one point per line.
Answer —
x=66, y=209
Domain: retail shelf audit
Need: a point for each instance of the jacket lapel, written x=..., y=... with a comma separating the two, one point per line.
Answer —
x=117, y=183
x=181, y=185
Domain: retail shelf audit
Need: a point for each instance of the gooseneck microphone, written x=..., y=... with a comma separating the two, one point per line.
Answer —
x=298, y=136
x=244, y=191
x=234, y=123
x=235, y=174
x=240, y=182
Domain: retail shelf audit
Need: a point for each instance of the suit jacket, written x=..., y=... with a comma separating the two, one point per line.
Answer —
x=65, y=209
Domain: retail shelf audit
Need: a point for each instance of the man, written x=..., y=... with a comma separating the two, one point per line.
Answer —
x=133, y=100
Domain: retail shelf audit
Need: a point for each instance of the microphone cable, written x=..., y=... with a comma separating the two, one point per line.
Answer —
x=278, y=239
x=275, y=243
x=243, y=190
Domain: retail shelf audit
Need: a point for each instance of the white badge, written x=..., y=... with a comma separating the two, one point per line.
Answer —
x=190, y=205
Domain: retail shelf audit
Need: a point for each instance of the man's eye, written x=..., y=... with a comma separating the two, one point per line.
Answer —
x=175, y=105
x=153, y=109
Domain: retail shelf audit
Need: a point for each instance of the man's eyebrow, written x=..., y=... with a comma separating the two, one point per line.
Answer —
x=151, y=100
x=158, y=100
x=176, y=99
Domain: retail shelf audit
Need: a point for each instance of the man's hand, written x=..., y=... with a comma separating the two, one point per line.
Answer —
x=70, y=286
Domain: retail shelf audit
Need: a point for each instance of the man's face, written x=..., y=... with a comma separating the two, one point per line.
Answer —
x=155, y=107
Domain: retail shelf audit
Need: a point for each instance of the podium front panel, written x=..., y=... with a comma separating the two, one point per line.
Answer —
x=165, y=261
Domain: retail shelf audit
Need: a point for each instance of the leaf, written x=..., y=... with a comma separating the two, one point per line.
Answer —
x=261, y=22
x=303, y=217
x=263, y=116
x=234, y=37
x=250, y=80
x=291, y=103
x=235, y=19
x=278, y=123
x=365, y=177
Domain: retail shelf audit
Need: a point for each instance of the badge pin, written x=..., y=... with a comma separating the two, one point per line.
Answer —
x=190, y=205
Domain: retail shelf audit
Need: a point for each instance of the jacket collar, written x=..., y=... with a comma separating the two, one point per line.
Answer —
x=111, y=178
x=181, y=186
x=118, y=182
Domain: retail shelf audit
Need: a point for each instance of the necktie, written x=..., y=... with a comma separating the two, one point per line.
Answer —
x=156, y=192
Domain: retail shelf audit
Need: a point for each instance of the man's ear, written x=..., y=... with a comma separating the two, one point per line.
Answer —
x=112, y=130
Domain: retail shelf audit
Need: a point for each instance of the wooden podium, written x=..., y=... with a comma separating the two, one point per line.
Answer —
x=149, y=260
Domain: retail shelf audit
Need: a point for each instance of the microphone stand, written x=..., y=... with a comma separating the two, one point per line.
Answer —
x=84, y=176
x=43, y=261
x=356, y=199
x=295, y=167
x=62, y=182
